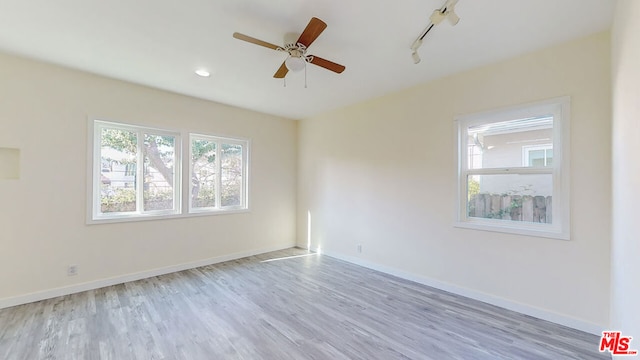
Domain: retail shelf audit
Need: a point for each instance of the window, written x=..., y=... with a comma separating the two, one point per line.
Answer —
x=218, y=173
x=513, y=170
x=539, y=155
x=137, y=173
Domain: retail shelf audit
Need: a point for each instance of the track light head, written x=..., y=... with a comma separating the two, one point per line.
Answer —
x=437, y=16
x=416, y=44
x=416, y=57
x=453, y=18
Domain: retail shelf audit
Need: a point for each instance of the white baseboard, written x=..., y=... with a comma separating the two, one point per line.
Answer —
x=96, y=284
x=473, y=294
x=476, y=295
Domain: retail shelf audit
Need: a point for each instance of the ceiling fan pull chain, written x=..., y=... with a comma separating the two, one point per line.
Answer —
x=284, y=81
x=305, y=75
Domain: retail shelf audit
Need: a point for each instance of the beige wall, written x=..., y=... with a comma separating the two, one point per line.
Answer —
x=382, y=174
x=625, y=259
x=44, y=111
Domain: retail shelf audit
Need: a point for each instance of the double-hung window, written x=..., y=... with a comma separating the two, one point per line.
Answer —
x=513, y=170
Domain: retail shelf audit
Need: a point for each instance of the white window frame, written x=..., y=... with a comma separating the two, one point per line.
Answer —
x=526, y=150
x=219, y=140
x=96, y=172
x=182, y=170
x=560, y=228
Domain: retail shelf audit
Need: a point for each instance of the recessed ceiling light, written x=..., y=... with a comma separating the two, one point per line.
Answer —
x=202, y=72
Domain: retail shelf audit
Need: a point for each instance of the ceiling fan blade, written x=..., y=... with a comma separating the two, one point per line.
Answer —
x=282, y=71
x=312, y=31
x=329, y=65
x=255, y=41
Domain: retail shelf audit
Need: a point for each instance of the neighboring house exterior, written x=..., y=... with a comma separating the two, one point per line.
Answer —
x=118, y=167
x=119, y=175
x=498, y=147
x=520, y=143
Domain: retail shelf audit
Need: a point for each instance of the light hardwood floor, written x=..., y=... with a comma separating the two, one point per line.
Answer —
x=301, y=306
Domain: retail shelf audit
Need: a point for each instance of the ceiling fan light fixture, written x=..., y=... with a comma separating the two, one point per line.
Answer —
x=295, y=63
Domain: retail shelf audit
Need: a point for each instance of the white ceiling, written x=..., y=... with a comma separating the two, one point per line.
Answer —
x=160, y=43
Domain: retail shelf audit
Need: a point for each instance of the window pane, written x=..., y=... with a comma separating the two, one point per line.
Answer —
x=538, y=155
x=203, y=173
x=510, y=197
x=536, y=158
x=231, y=175
x=501, y=144
x=158, y=171
x=118, y=151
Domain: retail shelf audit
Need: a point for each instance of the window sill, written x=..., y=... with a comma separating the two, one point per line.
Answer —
x=164, y=216
x=534, y=230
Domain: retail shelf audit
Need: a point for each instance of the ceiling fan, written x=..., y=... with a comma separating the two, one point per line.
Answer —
x=297, y=51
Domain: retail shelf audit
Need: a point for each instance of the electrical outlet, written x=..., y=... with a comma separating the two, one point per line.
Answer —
x=359, y=248
x=72, y=270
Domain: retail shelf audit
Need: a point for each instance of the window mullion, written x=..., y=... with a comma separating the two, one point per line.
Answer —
x=245, y=190
x=218, y=174
x=97, y=171
x=177, y=173
x=187, y=191
x=140, y=173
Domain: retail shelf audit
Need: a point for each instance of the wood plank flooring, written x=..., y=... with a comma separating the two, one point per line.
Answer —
x=296, y=306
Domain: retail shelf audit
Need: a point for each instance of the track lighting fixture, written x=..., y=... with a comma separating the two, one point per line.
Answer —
x=446, y=11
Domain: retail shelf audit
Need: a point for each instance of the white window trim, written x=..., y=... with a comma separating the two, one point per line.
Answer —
x=560, y=228
x=181, y=198
x=244, y=203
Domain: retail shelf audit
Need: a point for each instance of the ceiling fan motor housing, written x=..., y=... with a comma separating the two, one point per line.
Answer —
x=296, y=50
